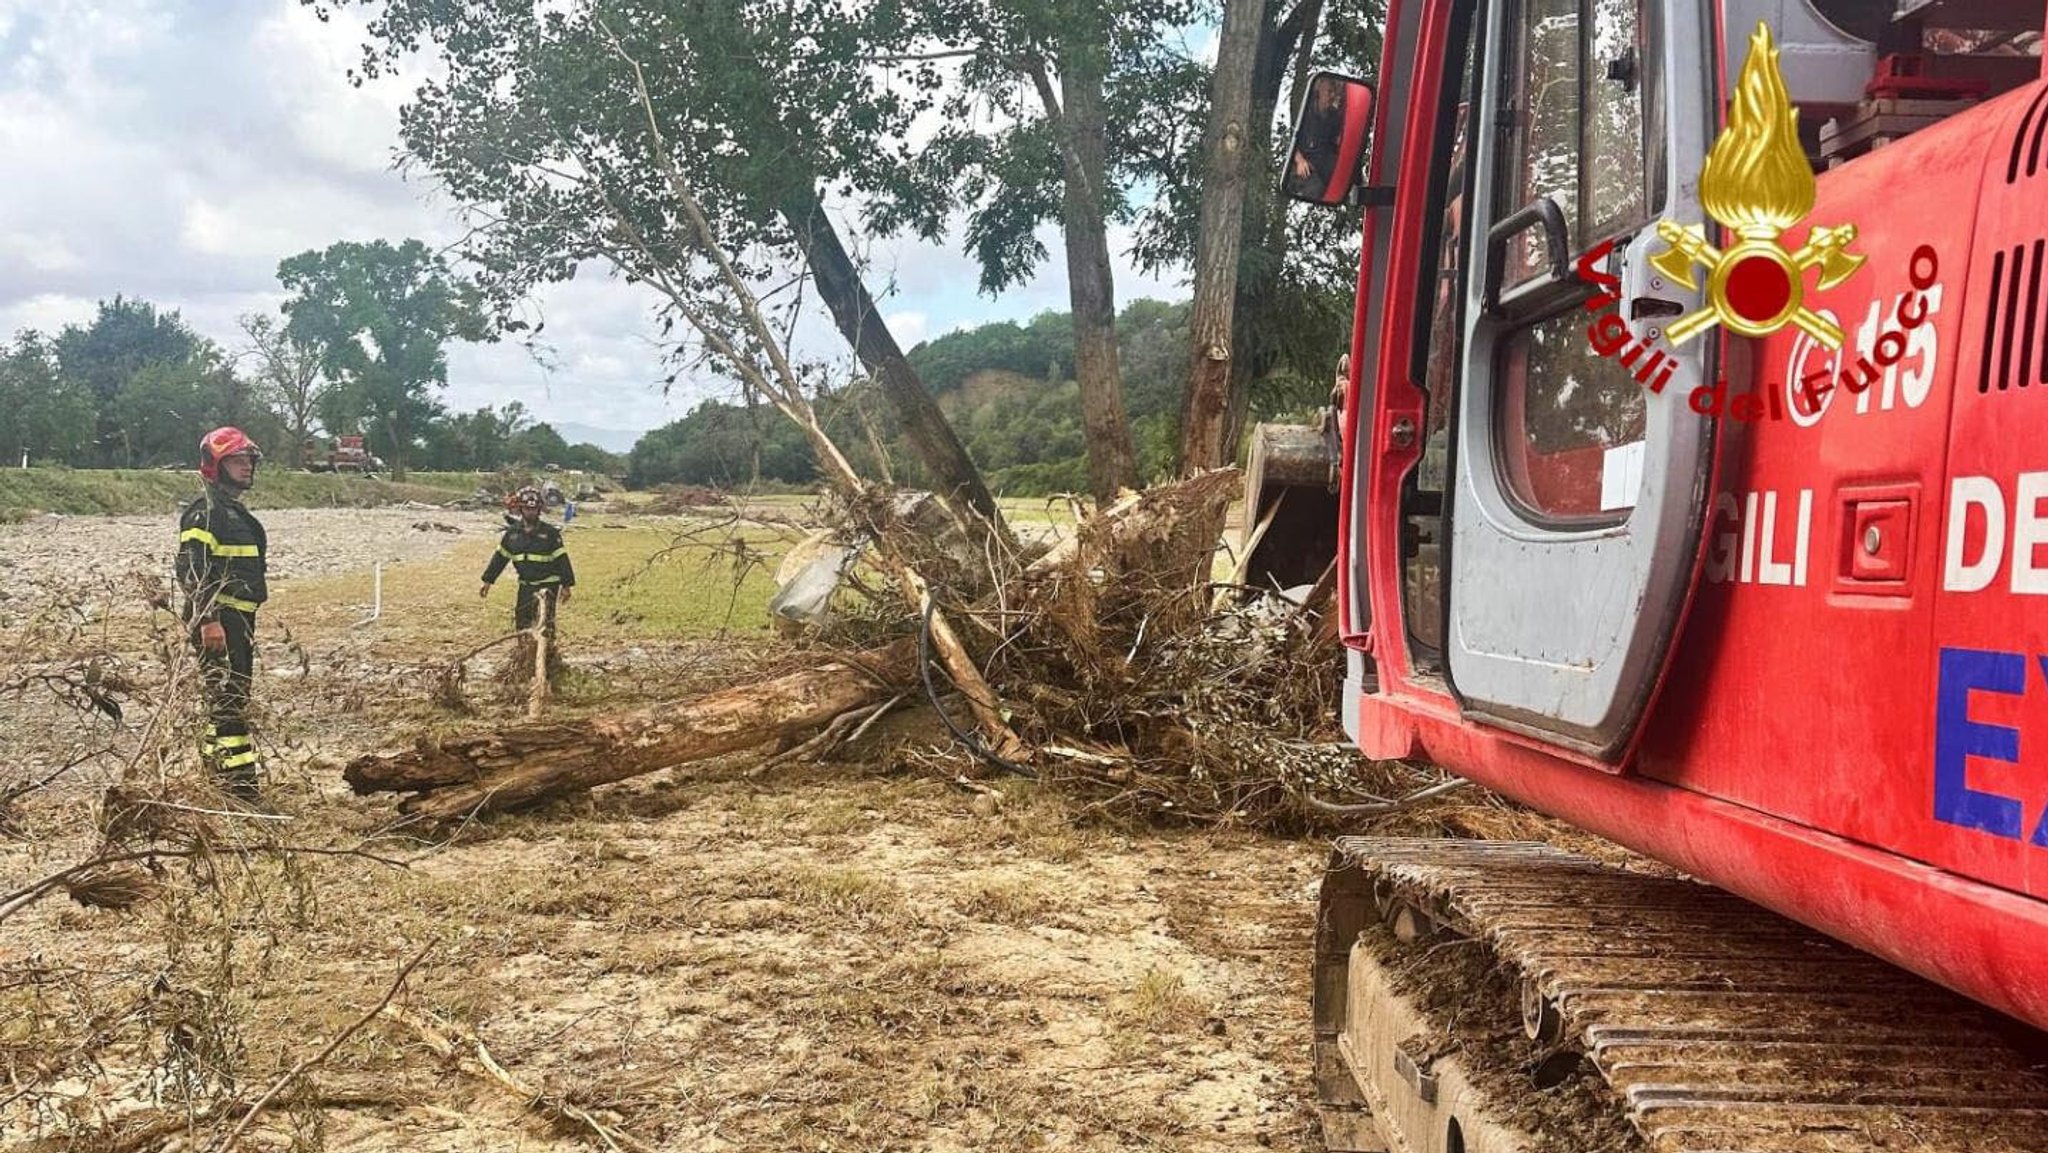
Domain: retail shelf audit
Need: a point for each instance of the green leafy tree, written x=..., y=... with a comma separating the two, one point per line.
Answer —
x=589, y=457
x=536, y=445
x=636, y=132
x=475, y=440
x=1289, y=313
x=1019, y=411
x=724, y=445
x=124, y=337
x=1073, y=88
x=1044, y=348
x=381, y=317
x=164, y=409
x=42, y=415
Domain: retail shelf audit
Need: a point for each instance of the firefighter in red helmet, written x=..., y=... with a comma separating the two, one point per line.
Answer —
x=535, y=551
x=220, y=567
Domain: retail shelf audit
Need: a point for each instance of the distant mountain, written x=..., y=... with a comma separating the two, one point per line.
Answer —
x=608, y=439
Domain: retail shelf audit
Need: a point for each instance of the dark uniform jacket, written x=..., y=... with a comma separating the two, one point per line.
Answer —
x=537, y=554
x=220, y=557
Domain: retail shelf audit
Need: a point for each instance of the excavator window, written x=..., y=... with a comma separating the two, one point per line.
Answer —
x=1584, y=108
x=1562, y=410
x=1578, y=87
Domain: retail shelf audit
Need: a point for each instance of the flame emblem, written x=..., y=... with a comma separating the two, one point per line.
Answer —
x=1757, y=183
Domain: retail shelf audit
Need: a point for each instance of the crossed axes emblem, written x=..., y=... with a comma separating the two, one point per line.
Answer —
x=1757, y=183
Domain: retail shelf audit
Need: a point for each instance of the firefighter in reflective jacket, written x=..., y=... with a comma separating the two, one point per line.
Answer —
x=535, y=551
x=220, y=569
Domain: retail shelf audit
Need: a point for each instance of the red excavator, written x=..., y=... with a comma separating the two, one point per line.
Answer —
x=1688, y=494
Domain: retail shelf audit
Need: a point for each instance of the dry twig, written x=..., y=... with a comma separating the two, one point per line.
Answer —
x=452, y=1041
x=299, y=1070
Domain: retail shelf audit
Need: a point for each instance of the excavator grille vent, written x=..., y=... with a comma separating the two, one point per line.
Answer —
x=2015, y=332
x=2027, y=143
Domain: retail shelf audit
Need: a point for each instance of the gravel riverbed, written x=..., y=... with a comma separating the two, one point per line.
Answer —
x=304, y=542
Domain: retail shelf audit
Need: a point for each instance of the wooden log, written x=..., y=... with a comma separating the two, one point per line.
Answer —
x=981, y=699
x=524, y=764
x=1139, y=521
x=537, y=694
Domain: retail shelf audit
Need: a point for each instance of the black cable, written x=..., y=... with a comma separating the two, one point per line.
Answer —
x=969, y=738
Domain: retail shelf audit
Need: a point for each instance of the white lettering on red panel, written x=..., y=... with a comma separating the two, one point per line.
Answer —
x=1759, y=538
x=2010, y=533
x=1900, y=356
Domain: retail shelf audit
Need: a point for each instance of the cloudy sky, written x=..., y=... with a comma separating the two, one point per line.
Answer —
x=176, y=150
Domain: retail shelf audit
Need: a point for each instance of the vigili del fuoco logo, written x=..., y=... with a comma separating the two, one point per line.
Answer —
x=1756, y=182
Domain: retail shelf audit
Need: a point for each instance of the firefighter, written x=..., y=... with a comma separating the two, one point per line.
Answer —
x=536, y=552
x=1321, y=137
x=220, y=568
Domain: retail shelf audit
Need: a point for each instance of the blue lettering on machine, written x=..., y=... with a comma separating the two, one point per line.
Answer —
x=1957, y=738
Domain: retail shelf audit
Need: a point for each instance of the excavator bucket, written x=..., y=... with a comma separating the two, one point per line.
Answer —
x=1290, y=503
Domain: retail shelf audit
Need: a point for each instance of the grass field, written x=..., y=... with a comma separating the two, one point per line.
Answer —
x=637, y=580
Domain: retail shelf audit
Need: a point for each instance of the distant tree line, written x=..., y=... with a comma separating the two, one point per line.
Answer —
x=1022, y=425
x=136, y=387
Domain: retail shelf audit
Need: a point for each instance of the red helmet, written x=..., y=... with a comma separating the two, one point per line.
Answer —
x=220, y=444
x=527, y=499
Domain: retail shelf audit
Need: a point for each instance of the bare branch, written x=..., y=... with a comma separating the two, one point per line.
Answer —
x=910, y=57
x=1377, y=808
x=436, y=1034
x=299, y=1070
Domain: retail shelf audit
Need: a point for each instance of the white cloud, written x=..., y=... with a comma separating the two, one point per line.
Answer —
x=909, y=327
x=46, y=313
x=176, y=150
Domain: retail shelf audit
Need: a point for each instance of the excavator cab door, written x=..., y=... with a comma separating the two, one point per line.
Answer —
x=1578, y=493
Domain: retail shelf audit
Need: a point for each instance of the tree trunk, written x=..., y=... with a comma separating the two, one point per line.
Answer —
x=1226, y=146
x=398, y=439
x=1265, y=221
x=521, y=765
x=1091, y=292
x=954, y=476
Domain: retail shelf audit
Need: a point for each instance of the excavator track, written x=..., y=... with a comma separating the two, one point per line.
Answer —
x=1718, y=1026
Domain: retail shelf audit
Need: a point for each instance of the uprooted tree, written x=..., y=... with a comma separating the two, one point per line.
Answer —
x=635, y=136
x=1096, y=639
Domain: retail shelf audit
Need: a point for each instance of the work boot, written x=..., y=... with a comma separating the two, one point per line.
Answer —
x=244, y=794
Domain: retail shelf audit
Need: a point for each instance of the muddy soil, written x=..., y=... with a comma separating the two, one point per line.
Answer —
x=848, y=956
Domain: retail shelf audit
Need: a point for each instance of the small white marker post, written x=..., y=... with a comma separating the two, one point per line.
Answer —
x=376, y=595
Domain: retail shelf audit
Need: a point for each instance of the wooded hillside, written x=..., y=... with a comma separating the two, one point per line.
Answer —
x=1008, y=389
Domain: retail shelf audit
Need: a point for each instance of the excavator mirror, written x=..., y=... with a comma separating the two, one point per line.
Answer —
x=1329, y=139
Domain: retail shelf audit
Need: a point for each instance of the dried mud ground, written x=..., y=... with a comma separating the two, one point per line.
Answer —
x=847, y=956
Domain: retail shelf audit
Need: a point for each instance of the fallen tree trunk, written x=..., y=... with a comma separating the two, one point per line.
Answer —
x=1133, y=573
x=525, y=764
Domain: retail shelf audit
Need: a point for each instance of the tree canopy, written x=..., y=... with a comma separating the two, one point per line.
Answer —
x=644, y=134
x=41, y=417
x=155, y=387
x=124, y=337
x=380, y=317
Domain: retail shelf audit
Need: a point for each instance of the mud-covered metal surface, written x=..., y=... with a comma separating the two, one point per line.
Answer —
x=1721, y=1027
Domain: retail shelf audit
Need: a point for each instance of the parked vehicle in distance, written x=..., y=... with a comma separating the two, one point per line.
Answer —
x=345, y=454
